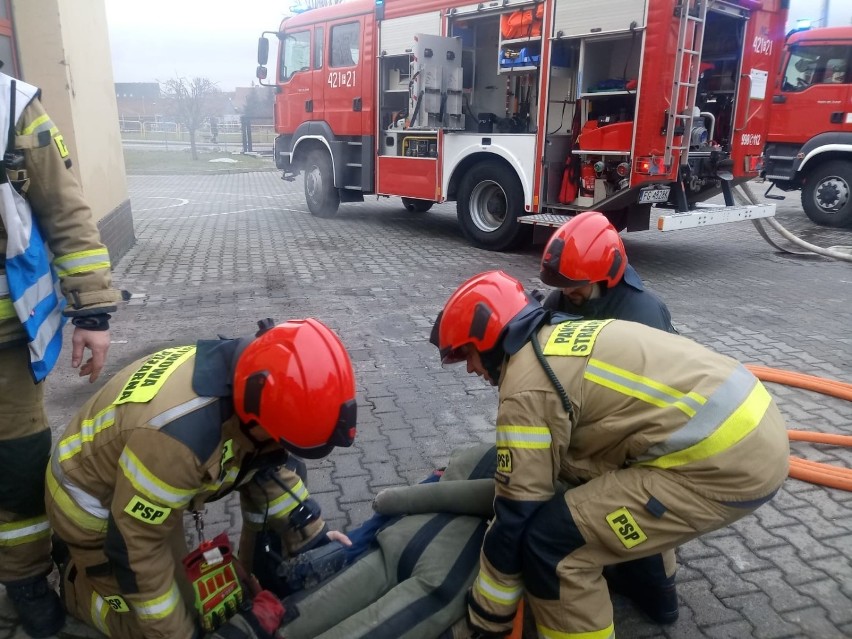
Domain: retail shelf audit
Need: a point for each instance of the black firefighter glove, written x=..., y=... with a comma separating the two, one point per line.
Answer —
x=475, y=613
x=258, y=619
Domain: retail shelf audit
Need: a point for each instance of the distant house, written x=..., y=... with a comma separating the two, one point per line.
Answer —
x=139, y=102
x=137, y=90
x=143, y=102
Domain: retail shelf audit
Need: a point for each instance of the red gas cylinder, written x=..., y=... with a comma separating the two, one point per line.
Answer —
x=587, y=179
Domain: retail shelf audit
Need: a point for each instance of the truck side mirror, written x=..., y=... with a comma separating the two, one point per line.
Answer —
x=260, y=72
x=262, y=51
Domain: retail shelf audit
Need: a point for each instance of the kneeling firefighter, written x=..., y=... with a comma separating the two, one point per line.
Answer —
x=663, y=439
x=186, y=426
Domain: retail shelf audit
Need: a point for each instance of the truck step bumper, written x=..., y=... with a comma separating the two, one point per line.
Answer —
x=707, y=215
x=545, y=219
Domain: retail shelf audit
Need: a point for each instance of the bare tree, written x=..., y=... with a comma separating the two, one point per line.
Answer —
x=188, y=99
x=259, y=102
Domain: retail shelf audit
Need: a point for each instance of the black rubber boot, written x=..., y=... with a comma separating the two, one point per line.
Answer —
x=648, y=588
x=38, y=606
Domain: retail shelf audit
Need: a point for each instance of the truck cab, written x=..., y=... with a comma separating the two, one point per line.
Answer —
x=809, y=144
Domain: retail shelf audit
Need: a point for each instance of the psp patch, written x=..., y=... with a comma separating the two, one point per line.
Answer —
x=625, y=527
x=117, y=603
x=59, y=141
x=504, y=461
x=146, y=512
x=228, y=451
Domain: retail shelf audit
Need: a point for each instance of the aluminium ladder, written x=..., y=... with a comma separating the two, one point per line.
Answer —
x=690, y=40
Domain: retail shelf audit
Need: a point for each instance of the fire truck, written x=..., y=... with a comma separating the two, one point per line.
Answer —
x=809, y=144
x=526, y=112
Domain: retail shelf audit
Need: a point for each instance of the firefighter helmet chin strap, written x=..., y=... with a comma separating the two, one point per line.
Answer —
x=254, y=389
x=493, y=361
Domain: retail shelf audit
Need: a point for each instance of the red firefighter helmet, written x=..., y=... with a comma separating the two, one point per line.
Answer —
x=296, y=382
x=584, y=250
x=477, y=313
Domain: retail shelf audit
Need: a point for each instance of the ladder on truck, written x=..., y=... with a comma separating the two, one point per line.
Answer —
x=690, y=40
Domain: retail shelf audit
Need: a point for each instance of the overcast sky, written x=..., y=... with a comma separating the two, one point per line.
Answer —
x=217, y=39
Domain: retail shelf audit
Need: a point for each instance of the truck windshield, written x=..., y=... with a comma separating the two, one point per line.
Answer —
x=295, y=54
x=810, y=65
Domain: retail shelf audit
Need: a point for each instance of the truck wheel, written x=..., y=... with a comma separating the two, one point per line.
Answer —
x=489, y=200
x=416, y=206
x=322, y=198
x=827, y=194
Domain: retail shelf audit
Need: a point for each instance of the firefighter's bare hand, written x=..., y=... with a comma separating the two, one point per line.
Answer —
x=98, y=344
x=336, y=535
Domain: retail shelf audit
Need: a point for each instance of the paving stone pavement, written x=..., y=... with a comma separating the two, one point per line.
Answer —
x=216, y=253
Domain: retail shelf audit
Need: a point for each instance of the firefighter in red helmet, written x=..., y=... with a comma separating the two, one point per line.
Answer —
x=182, y=427
x=586, y=261
x=659, y=438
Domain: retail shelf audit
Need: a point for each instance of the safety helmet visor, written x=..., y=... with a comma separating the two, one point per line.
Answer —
x=449, y=354
x=552, y=270
x=343, y=434
x=585, y=250
x=476, y=315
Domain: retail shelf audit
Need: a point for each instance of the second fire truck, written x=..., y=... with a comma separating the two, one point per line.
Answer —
x=809, y=143
x=526, y=112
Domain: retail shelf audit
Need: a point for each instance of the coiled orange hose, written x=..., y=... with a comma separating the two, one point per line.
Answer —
x=804, y=469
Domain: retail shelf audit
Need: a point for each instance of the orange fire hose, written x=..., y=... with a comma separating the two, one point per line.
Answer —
x=804, y=469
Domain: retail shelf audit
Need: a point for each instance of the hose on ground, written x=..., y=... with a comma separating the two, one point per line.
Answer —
x=842, y=253
x=805, y=469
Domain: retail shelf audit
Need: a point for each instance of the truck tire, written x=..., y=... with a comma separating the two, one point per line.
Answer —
x=320, y=194
x=416, y=206
x=489, y=200
x=827, y=194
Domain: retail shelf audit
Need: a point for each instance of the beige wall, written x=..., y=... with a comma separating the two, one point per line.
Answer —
x=63, y=48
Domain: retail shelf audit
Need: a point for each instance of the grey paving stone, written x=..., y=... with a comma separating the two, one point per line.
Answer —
x=783, y=596
x=815, y=624
x=705, y=606
x=726, y=582
x=765, y=621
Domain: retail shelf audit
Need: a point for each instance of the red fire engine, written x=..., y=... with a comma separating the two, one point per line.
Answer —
x=526, y=112
x=809, y=144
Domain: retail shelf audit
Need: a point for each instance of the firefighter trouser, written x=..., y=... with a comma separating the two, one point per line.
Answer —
x=24, y=451
x=91, y=594
x=621, y=516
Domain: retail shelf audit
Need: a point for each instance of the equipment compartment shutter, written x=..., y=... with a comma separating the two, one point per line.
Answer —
x=398, y=33
x=590, y=17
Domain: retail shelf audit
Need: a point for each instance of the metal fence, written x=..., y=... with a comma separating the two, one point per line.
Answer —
x=248, y=135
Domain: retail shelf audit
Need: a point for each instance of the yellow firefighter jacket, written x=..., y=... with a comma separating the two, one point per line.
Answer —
x=159, y=439
x=638, y=396
x=80, y=259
